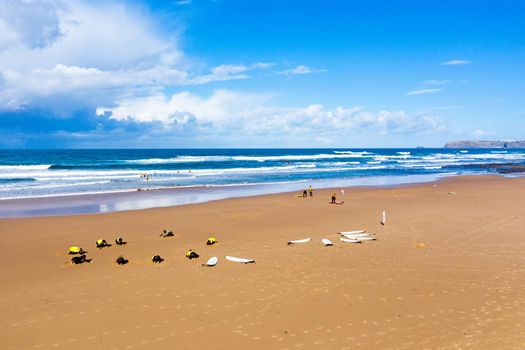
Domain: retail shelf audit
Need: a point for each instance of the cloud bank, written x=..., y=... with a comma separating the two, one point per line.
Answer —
x=231, y=112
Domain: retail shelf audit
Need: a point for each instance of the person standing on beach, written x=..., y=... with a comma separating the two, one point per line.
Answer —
x=334, y=199
x=310, y=191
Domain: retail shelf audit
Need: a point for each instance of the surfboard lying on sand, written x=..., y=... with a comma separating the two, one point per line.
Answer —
x=298, y=241
x=351, y=232
x=327, y=242
x=370, y=238
x=351, y=235
x=212, y=261
x=349, y=240
x=239, y=260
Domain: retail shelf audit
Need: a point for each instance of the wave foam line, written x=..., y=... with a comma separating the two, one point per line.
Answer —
x=25, y=167
x=185, y=159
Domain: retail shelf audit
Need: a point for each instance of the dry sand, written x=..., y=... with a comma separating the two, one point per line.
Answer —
x=447, y=272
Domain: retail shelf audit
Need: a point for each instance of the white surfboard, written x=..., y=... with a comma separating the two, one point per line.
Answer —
x=212, y=261
x=239, y=260
x=327, y=242
x=351, y=232
x=354, y=235
x=371, y=238
x=349, y=240
x=299, y=241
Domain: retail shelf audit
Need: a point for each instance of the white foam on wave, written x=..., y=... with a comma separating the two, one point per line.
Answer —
x=67, y=194
x=402, y=161
x=341, y=163
x=353, y=152
x=54, y=185
x=297, y=157
x=80, y=175
x=368, y=167
x=304, y=167
x=186, y=159
x=24, y=167
x=178, y=159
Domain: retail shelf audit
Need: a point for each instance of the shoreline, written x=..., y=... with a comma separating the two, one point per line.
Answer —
x=106, y=202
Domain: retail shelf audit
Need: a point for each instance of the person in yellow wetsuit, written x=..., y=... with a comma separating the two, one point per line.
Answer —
x=190, y=254
x=211, y=241
x=76, y=250
x=101, y=243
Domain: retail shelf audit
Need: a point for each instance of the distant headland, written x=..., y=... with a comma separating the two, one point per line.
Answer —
x=485, y=144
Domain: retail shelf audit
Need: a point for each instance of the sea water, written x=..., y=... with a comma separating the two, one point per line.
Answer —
x=47, y=173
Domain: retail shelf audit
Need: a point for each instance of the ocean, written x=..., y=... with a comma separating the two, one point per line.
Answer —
x=48, y=173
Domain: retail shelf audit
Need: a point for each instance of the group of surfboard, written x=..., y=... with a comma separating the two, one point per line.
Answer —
x=357, y=236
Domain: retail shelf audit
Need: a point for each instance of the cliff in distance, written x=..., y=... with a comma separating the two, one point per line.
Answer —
x=485, y=144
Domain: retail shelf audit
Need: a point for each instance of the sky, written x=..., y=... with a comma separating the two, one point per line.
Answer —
x=260, y=74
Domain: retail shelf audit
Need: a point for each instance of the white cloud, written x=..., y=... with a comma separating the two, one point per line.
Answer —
x=226, y=72
x=29, y=24
x=423, y=91
x=221, y=106
x=230, y=112
x=105, y=35
x=221, y=73
x=455, y=63
x=37, y=85
x=301, y=70
x=100, y=52
x=183, y=2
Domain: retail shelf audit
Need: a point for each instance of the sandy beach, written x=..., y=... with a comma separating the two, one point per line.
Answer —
x=447, y=272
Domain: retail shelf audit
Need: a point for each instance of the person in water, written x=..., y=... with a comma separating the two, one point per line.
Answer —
x=310, y=191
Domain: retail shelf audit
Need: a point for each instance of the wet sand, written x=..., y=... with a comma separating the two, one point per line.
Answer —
x=447, y=271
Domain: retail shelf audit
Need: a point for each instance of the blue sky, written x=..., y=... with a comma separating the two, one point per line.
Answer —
x=227, y=73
